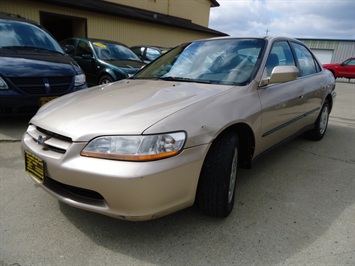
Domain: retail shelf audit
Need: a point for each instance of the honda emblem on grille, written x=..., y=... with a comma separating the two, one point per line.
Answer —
x=41, y=139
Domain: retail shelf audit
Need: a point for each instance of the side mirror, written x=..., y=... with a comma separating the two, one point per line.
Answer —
x=281, y=74
x=69, y=49
x=142, y=51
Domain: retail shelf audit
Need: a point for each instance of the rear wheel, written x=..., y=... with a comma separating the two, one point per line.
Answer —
x=216, y=189
x=320, y=127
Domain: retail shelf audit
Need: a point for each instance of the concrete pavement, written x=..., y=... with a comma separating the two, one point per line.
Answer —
x=294, y=207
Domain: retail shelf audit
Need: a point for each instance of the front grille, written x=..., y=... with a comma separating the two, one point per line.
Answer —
x=59, y=85
x=33, y=86
x=49, y=141
x=42, y=86
x=54, y=135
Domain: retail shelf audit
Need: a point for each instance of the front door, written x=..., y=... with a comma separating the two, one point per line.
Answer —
x=282, y=103
x=85, y=58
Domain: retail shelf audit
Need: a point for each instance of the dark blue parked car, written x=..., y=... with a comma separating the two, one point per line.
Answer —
x=33, y=67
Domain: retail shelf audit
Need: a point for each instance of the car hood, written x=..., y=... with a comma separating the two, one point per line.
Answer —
x=123, y=107
x=37, y=66
x=331, y=65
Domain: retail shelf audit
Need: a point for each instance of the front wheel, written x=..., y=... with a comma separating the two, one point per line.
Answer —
x=105, y=79
x=320, y=127
x=216, y=188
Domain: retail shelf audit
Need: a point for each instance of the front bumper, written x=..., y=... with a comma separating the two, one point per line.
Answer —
x=125, y=190
x=13, y=102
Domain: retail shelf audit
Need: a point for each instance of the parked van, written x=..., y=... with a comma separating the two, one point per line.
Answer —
x=33, y=67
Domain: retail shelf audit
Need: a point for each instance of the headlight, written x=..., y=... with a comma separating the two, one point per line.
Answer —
x=3, y=85
x=136, y=148
x=79, y=80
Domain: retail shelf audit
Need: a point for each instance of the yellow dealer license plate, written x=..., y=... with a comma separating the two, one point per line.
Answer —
x=34, y=166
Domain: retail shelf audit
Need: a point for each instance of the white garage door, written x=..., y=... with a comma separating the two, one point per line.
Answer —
x=324, y=56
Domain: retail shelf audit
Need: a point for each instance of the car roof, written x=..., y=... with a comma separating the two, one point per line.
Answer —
x=18, y=18
x=264, y=37
x=268, y=38
x=14, y=17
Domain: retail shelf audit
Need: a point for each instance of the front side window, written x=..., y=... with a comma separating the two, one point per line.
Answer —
x=307, y=64
x=83, y=48
x=232, y=61
x=280, y=55
x=350, y=62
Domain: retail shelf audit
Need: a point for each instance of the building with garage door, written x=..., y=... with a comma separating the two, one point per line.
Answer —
x=331, y=51
x=133, y=22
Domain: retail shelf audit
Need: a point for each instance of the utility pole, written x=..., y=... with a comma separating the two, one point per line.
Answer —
x=267, y=31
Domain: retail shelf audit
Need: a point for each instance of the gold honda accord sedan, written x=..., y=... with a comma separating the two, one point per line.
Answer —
x=175, y=133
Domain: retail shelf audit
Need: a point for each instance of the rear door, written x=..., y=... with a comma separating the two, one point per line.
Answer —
x=313, y=82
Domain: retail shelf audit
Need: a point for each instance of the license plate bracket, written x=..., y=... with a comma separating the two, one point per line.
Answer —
x=34, y=166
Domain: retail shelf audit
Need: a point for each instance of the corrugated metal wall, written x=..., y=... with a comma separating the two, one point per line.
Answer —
x=341, y=49
x=345, y=50
x=101, y=26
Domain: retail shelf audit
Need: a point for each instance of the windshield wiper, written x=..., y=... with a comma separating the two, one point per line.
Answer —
x=47, y=50
x=170, y=78
x=120, y=59
x=132, y=60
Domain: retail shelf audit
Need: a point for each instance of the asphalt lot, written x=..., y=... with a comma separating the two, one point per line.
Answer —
x=294, y=207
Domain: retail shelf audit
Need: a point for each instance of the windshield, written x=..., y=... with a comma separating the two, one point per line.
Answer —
x=113, y=51
x=19, y=35
x=221, y=61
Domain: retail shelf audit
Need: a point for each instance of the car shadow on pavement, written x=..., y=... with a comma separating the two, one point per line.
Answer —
x=13, y=127
x=285, y=210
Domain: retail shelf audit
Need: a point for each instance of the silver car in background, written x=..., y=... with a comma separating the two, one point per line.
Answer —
x=174, y=135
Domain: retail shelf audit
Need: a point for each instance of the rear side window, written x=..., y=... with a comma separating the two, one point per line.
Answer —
x=307, y=64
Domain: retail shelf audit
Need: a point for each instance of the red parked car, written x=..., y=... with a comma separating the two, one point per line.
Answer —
x=343, y=70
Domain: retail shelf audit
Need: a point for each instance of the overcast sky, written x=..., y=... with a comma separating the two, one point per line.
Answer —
x=325, y=19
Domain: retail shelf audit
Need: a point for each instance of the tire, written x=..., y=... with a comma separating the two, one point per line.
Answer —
x=216, y=189
x=321, y=124
x=105, y=79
